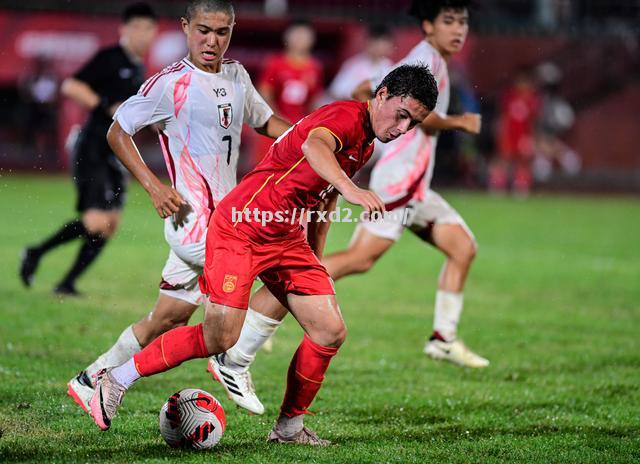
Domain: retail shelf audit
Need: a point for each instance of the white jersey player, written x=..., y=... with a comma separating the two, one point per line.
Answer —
x=402, y=178
x=200, y=104
x=201, y=114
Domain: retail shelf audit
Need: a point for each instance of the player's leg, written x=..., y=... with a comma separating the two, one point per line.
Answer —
x=31, y=255
x=369, y=242
x=266, y=313
x=231, y=368
x=227, y=277
x=218, y=332
x=88, y=170
x=303, y=285
x=100, y=225
x=179, y=297
x=325, y=331
x=439, y=224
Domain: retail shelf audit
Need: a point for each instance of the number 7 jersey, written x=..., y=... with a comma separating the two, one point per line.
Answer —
x=201, y=116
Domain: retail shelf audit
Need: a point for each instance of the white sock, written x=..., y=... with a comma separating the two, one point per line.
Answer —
x=255, y=332
x=125, y=347
x=126, y=374
x=289, y=426
x=447, y=313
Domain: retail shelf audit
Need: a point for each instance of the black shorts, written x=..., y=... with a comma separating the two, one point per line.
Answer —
x=99, y=177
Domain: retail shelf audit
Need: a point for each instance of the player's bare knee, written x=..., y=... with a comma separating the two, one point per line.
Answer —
x=332, y=336
x=339, y=336
x=467, y=251
x=464, y=250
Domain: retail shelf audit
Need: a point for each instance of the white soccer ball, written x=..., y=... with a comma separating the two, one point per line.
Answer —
x=192, y=418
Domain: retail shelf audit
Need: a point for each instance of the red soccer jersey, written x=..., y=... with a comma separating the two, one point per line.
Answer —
x=284, y=181
x=295, y=85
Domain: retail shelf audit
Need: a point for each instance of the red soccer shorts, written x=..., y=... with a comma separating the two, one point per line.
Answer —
x=233, y=261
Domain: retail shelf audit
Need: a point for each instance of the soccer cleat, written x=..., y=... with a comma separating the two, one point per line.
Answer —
x=81, y=390
x=29, y=261
x=238, y=385
x=106, y=399
x=454, y=351
x=66, y=289
x=303, y=437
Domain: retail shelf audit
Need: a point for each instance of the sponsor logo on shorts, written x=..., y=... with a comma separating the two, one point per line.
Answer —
x=229, y=283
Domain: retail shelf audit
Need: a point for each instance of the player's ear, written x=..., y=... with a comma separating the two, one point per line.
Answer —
x=184, y=22
x=381, y=95
x=427, y=27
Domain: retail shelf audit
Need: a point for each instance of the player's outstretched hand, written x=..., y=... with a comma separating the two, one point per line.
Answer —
x=166, y=200
x=471, y=122
x=369, y=200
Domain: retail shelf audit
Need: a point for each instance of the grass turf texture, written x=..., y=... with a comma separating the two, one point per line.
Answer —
x=552, y=301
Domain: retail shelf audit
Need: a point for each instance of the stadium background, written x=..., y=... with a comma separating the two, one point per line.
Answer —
x=594, y=44
x=552, y=300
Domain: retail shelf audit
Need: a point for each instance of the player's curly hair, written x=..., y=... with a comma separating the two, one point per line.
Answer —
x=412, y=80
x=209, y=6
x=430, y=9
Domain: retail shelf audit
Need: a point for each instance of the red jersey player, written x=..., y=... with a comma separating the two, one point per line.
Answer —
x=519, y=108
x=311, y=162
x=291, y=81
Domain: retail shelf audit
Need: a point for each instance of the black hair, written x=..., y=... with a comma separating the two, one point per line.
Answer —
x=378, y=31
x=214, y=6
x=412, y=80
x=138, y=10
x=430, y=9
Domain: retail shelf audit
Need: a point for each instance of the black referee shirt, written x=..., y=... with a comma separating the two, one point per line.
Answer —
x=114, y=77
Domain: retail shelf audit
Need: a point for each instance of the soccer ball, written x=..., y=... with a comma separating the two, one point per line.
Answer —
x=192, y=418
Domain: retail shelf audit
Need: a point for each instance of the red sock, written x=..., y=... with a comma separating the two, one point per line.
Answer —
x=171, y=349
x=305, y=376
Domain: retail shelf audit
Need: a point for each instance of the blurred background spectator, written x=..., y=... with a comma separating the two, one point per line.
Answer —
x=373, y=60
x=555, y=119
x=517, y=115
x=291, y=81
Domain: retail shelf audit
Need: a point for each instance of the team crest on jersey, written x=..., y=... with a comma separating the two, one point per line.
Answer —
x=229, y=283
x=225, y=112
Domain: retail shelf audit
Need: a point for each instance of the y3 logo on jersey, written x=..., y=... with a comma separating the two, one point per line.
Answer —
x=225, y=113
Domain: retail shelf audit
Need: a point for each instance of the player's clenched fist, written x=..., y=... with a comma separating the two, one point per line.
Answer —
x=369, y=200
x=166, y=200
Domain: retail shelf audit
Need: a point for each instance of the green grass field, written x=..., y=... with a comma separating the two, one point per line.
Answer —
x=552, y=300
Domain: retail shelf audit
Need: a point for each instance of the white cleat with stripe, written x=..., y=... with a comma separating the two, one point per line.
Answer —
x=238, y=385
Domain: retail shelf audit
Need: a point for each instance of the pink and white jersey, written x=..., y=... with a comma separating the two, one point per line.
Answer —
x=404, y=170
x=201, y=115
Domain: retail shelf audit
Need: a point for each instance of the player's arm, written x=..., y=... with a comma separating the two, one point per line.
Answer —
x=317, y=231
x=274, y=127
x=82, y=93
x=363, y=91
x=468, y=122
x=166, y=200
x=319, y=150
